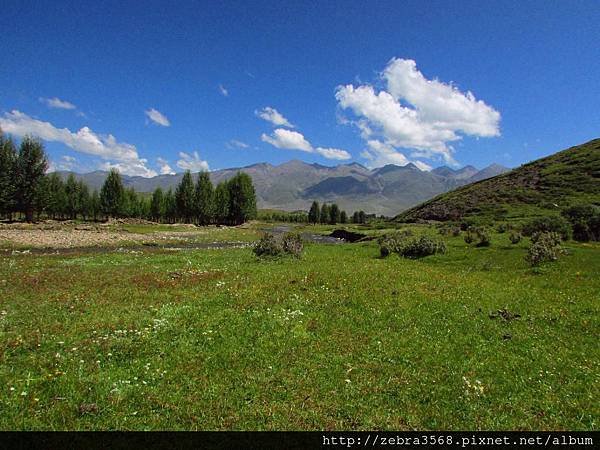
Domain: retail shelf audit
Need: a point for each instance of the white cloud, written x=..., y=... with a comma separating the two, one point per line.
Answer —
x=57, y=103
x=164, y=167
x=224, y=92
x=84, y=141
x=287, y=139
x=235, y=143
x=275, y=117
x=192, y=162
x=292, y=140
x=333, y=153
x=157, y=117
x=380, y=154
x=135, y=168
x=416, y=113
x=64, y=163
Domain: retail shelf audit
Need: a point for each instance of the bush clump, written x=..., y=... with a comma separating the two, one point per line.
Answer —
x=404, y=245
x=515, y=237
x=550, y=224
x=585, y=220
x=292, y=244
x=267, y=246
x=544, y=247
x=422, y=246
x=469, y=238
x=450, y=230
x=483, y=236
x=503, y=227
x=391, y=243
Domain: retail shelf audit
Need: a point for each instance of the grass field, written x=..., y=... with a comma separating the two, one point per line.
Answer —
x=340, y=339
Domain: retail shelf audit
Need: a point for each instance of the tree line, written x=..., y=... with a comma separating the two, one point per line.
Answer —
x=331, y=214
x=26, y=189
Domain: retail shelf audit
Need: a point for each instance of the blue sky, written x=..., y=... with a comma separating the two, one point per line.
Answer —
x=374, y=82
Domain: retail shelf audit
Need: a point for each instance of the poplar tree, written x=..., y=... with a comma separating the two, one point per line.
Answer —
x=324, y=216
x=334, y=214
x=242, y=199
x=314, y=213
x=221, y=202
x=112, y=195
x=184, y=197
x=84, y=200
x=204, y=199
x=30, y=168
x=343, y=217
x=8, y=158
x=56, y=198
x=95, y=209
x=72, y=196
x=170, y=206
x=157, y=205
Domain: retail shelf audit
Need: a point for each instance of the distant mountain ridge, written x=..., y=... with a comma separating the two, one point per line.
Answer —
x=295, y=184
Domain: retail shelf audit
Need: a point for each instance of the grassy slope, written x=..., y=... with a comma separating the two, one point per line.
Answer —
x=537, y=188
x=341, y=339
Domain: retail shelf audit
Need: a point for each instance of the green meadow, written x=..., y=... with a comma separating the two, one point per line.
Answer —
x=217, y=339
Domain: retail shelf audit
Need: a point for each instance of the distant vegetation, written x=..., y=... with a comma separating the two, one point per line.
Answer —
x=26, y=189
x=539, y=188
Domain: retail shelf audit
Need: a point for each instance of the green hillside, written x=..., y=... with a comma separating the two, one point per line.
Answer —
x=541, y=187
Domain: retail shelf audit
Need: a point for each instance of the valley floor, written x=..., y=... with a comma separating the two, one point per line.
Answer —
x=150, y=337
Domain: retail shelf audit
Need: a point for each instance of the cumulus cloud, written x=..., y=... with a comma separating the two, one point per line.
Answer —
x=275, y=117
x=224, y=92
x=415, y=113
x=191, y=162
x=84, y=141
x=333, y=153
x=164, y=167
x=287, y=139
x=57, y=103
x=157, y=117
x=292, y=140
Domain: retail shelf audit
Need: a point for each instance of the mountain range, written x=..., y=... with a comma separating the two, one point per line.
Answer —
x=295, y=184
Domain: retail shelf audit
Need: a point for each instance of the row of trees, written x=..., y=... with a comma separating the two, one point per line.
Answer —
x=331, y=214
x=230, y=202
x=25, y=188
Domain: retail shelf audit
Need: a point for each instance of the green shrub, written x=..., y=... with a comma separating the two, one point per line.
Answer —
x=503, y=227
x=422, y=246
x=391, y=243
x=292, y=244
x=483, y=236
x=449, y=230
x=405, y=245
x=267, y=246
x=585, y=220
x=469, y=238
x=554, y=224
x=515, y=237
x=544, y=247
x=552, y=237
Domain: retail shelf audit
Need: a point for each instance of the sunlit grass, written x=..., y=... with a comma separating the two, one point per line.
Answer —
x=340, y=339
